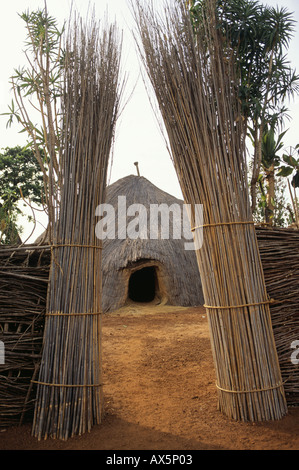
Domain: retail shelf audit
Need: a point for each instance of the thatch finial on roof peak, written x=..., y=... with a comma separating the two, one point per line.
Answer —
x=137, y=167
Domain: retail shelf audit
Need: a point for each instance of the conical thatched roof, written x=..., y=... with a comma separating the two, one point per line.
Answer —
x=174, y=269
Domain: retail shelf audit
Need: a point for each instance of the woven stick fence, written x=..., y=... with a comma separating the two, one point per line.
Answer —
x=193, y=81
x=279, y=249
x=69, y=387
x=23, y=292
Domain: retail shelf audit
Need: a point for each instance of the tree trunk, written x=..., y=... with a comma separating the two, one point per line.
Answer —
x=257, y=160
x=269, y=211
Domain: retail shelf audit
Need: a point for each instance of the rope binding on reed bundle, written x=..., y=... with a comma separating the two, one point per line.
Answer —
x=228, y=307
x=62, y=314
x=281, y=385
x=73, y=245
x=221, y=224
x=66, y=385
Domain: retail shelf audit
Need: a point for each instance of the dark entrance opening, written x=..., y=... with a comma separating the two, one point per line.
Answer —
x=142, y=285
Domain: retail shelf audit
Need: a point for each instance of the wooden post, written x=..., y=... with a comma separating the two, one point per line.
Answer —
x=136, y=164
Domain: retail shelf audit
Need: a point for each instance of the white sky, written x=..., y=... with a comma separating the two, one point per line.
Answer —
x=138, y=137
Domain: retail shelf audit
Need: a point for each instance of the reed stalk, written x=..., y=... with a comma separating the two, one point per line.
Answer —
x=195, y=85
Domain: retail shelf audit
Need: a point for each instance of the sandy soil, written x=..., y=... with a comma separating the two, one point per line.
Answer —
x=160, y=392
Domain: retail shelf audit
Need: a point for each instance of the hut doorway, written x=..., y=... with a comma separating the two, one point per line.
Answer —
x=143, y=285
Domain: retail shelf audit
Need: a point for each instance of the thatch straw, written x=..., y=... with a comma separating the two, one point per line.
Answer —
x=69, y=394
x=194, y=82
x=176, y=270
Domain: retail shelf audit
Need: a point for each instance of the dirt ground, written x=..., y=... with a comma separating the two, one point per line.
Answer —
x=160, y=394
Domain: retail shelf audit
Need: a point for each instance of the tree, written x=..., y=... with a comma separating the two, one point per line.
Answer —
x=37, y=93
x=21, y=179
x=282, y=215
x=270, y=161
x=269, y=164
x=259, y=36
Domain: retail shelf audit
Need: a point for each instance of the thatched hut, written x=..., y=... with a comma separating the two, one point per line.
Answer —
x=150, y=267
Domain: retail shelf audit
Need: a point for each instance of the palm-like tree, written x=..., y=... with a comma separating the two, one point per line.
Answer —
x=259, y=35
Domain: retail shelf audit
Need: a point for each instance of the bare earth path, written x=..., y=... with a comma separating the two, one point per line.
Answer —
x=160, y=392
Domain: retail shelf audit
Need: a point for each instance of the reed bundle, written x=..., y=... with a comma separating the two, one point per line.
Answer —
x=194, y=81
x=69, y=387
x=23, y=292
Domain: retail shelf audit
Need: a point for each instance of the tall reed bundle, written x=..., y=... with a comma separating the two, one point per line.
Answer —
x=69, y=386
x=194, y=83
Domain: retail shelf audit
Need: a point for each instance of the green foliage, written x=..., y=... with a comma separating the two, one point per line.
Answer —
x=197, y=11
x=282, y=214
x=295, y=180
x=19, y=169
x=42, y=33
x=291, y=167
x=21, y=179
x=271, y=147
x=42, y=79
x=257, y=35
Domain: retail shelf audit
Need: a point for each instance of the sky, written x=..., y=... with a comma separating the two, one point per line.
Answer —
x=138, y=136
